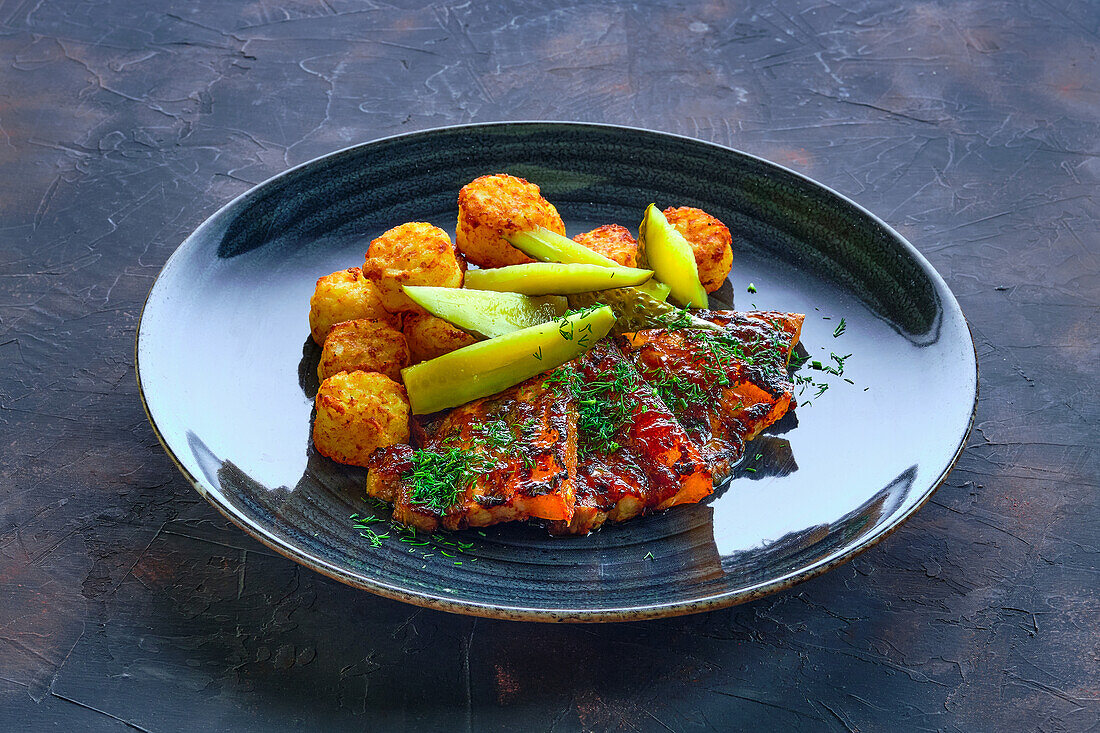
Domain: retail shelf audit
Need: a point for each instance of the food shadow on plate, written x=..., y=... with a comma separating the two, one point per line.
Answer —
x=722, y=298
x=307, y=368
x=765, y=456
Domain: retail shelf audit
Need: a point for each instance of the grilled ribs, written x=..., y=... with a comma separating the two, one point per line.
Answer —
x=653, y=467
x=524, y=441
x=725, y=387
x=695, y=396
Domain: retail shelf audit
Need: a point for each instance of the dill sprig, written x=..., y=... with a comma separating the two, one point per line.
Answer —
x=577, y=329
x=603, y=404
x=806, y=381
x=675, y=321
x=721, y=349
x=677, y=393
x=438, y=479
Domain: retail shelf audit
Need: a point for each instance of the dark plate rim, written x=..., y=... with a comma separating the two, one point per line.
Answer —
x=559, y=615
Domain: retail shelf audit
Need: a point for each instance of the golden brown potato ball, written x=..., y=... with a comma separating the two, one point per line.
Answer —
x=416, y=253
x=364, y=345
x=429, y=337
x=358, y=412
x=345, y=296
x=709, y=239
x=491, y=206
x=612, y=240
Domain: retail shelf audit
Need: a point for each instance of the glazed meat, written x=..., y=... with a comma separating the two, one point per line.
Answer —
x=518, y=449
x=646, y=464
x=638, y=424
x=723, y=387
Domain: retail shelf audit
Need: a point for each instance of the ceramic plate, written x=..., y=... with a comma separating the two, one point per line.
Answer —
x=226, y=370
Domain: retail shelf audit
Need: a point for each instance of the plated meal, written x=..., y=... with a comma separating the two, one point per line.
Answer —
x=569, y=381
x=825, y=482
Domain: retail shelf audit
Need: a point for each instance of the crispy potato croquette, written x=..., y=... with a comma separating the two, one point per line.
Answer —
x=429, y=337
x=710, y=240
x=345, y=296
x=364, y=345
x=416, y=253
x=612, y=240
x=358, y=412
x=492, y=206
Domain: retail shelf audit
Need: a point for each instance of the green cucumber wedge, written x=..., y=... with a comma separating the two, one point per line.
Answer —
x=487, y=367
x=547, y=246
x=484, y=313
x=666, y=251
x=546, y=278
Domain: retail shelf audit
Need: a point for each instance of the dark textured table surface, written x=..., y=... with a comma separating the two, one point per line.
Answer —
x=127, y=602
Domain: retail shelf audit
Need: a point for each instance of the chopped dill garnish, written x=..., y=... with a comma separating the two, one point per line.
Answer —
x=648, y=556
x=804, y=381
x=374, y=537
x=603, y=404
x=439, y=479
x=676, y=321
x=839, y=362
x=752, y=288
x=677, y=393
x=721, y=348
x=840, y=329
x=580, y=311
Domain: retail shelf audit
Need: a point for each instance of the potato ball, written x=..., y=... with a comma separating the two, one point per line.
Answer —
x=366, y=346
x=416, y=253
x=492, y=206
x=358, y=412
x=614, y=241
x=345, y=296
x=710, y=240
x=429, y=337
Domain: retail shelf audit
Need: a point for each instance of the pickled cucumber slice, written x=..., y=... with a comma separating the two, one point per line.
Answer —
x=485, y=313
x=544, y=278
x=488, y=367
x=547, y=246
x=635, y=311
x=655, y=289
x=671, y=257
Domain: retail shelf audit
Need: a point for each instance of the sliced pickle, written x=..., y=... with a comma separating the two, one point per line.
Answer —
x=666, y=251
x=547, y=246
x=488, y=367
x=485, y=313
x=545, y=278
x=655, y=289
x=635, y=311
